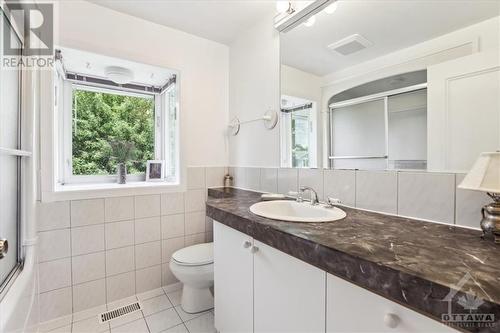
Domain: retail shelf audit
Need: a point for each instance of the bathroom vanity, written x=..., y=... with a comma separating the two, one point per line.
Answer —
x=368, y=272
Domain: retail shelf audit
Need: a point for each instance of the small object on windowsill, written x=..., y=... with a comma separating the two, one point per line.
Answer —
x=272, y=196
x=485, y=177
x=228, y=180
x=121, y=173
x=155, y=171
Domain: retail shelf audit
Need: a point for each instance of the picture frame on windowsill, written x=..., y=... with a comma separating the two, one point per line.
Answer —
x=155, y=171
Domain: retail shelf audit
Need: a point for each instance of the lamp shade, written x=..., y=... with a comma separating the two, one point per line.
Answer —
x=484, y=175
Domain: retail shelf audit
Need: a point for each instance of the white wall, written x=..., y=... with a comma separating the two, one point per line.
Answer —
x=254, y=89
x=203, y=65
x=295, y=82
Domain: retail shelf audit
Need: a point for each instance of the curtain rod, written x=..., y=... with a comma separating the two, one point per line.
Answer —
x=298, y=108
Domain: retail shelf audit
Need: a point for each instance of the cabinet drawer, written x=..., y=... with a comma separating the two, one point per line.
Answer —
x=350, y=308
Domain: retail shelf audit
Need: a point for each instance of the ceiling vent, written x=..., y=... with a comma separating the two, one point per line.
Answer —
x=350, y=44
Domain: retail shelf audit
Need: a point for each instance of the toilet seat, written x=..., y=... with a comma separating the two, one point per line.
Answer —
x=195, y=255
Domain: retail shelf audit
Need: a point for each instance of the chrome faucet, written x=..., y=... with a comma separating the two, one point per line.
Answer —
x=314, y=195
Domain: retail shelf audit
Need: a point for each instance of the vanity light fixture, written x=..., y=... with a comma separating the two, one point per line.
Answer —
x=288, y=22
x=485, y=177
x=284, y=7
x=119, y=75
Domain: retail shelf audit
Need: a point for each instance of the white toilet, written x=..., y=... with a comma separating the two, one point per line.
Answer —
x=194, y=267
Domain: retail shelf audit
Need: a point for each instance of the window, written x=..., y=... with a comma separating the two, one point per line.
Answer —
x=298, y=128
x=100, y=117
x=93, y=117
x=11, y=157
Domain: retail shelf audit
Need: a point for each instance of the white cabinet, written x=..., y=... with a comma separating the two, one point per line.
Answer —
x=233, y=274
x=261, y=289
x=289, y=294
x=350, y=308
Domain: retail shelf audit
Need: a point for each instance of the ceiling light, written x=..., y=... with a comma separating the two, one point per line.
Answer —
x=282, y=6
x=310, y=21
x=119, y=75
x=332, y=8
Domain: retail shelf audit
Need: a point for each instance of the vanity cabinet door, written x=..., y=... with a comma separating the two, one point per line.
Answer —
x=233, y=275
x=350, y=308
x=289, y=294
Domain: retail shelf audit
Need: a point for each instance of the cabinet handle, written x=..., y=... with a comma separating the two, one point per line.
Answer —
x=247, y=244
x=254, y=249
x=391, y=320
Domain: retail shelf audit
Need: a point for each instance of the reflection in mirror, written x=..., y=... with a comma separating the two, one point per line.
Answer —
x=298, y=132
x=392, y=90
x=380, y=125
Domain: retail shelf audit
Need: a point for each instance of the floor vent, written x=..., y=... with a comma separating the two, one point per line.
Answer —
x=110, y=315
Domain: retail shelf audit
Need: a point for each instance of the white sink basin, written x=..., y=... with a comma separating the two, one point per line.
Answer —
x=287, y=210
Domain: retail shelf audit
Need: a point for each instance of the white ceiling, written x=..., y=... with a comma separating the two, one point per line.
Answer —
x=91, y=64
x=218, y=20
x=390, y=25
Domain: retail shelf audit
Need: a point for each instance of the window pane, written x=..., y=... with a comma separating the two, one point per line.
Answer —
x=100, y=118
x=301, y=129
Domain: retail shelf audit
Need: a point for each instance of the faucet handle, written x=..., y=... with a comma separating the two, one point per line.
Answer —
x=331, y=202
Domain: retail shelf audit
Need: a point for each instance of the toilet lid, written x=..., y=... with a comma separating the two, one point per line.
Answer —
x=199, y=254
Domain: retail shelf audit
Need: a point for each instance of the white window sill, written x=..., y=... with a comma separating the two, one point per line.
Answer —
x=104, y=190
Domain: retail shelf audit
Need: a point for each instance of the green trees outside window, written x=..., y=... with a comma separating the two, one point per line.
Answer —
x=100, y=118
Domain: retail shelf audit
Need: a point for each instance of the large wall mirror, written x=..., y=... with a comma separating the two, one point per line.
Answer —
x=366, y=86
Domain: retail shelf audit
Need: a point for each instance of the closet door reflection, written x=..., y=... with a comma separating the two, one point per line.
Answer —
x=407, y=115
x=358, y=135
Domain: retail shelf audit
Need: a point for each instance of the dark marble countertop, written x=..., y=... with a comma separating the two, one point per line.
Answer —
x=414, y=263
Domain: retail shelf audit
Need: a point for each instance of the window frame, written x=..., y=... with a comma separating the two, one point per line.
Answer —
x=66, y=176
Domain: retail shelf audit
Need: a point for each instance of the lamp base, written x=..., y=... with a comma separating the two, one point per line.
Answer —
x=490, y=224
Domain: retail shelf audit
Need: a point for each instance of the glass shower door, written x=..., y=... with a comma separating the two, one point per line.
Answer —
x=10, y=159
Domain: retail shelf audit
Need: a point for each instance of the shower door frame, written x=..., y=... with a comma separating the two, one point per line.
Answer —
x=20, y=154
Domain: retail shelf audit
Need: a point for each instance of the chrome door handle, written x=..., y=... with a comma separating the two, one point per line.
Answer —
x=254, y=249
x=4, y=247
x=247, y=244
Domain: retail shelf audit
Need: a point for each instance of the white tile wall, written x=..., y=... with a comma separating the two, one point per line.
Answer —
x=377, y=190
x=119, y=234
x=196, y=178
x=340, y=184
x=288, y=180
x=100, y=250
x=252, y=176
x=119, y=209
x=214, y=176
x=87, y=239
x=53, y=215
x=269, y=180
x=427, y=195
x=430, y=196
x=55, y=274
x=312, y=178
x=86, y=212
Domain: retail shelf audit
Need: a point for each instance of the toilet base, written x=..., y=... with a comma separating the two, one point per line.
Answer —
x=196, y=300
